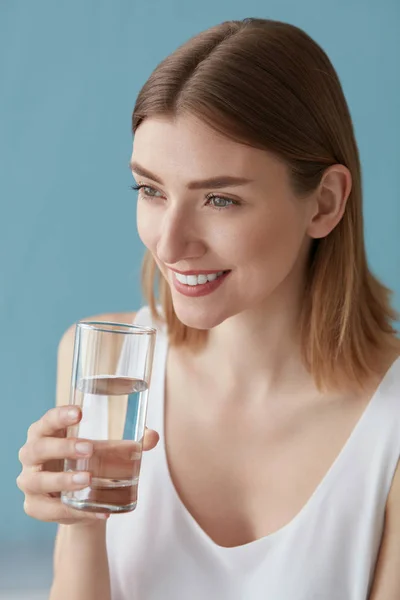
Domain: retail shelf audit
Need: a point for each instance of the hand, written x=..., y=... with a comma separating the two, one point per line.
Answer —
x=42, y=478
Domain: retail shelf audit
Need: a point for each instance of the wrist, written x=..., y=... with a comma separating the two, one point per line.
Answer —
x=93, y=526
x=88, y=530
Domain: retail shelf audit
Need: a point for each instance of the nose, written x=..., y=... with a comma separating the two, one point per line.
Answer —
x=179, y=239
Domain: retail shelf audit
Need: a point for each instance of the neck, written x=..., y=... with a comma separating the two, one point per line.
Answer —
x=262, y=345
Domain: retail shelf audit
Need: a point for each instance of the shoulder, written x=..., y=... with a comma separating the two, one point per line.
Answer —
x=119, y=317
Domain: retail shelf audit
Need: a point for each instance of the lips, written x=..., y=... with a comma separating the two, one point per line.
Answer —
x=196, y=284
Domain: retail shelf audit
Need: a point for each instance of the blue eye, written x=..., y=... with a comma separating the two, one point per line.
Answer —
x=220, y=202
x=147, y=191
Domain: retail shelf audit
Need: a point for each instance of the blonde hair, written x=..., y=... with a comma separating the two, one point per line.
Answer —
x=269, y=85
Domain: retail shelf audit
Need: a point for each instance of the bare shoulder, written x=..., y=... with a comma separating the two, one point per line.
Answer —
x=118, y=317
x=66, y=350
x=386, y=585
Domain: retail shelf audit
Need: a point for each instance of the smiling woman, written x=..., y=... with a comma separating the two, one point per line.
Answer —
x=276, y=378
x=301, y=121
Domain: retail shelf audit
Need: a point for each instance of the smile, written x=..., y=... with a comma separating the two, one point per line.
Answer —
x=198, y=284
x=197, y=279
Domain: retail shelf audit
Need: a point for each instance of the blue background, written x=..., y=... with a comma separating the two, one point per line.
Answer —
x=69, y=76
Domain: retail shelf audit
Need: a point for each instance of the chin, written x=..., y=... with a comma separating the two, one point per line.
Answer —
x=192, y=314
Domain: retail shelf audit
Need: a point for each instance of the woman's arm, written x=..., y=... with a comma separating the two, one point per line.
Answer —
x=386, y=585
x=80, y=563
x=80, y=558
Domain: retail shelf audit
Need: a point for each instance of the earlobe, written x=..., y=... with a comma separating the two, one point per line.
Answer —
x=331, y=198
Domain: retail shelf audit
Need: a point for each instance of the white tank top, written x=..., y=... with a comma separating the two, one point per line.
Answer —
x=327, y=551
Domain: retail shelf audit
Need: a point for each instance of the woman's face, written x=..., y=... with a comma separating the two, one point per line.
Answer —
x=220, y=219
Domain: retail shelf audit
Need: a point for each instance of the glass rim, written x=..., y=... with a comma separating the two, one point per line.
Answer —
x=112, y=327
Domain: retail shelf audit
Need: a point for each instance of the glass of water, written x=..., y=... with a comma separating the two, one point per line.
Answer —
x=110, y=380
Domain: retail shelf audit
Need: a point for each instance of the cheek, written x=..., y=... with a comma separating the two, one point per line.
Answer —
x=271, y=247
x=147, y=226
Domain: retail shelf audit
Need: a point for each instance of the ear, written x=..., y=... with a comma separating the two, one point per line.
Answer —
x=330, y=200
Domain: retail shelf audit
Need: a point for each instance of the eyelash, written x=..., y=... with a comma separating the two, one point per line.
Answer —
x=140, y=187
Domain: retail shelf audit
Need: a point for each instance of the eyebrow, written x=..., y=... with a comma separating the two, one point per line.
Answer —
x=220, y=181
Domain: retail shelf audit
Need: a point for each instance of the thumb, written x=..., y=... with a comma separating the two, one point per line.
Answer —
x=151, y=439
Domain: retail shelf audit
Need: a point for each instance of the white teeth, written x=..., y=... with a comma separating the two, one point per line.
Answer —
x=181, y=278
x=193, y=280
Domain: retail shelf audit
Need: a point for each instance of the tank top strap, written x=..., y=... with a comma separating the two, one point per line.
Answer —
x=144, y=317
x=366, y=465
x=378, y=446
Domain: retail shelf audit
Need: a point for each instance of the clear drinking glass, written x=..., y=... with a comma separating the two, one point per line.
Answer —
x=110, y=380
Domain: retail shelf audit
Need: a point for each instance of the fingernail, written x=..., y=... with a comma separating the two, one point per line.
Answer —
x=102, y=516
x=72, y=414
x=81, y=478
x=84, y=447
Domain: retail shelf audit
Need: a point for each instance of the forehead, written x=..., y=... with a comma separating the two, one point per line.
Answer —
x=187, y=147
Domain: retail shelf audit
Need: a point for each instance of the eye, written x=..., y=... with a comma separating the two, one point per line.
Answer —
x=147, y=191
x=219, y=202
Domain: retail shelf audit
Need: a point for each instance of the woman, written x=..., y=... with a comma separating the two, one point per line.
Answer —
x=276, y=382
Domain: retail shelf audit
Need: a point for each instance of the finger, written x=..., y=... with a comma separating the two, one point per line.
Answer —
x=44, y=449
x=43, y=482
x=151, y=439
x=55, y=419
x=53, y=510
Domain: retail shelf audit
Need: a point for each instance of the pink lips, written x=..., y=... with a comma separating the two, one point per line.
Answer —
x=202, y=289
x=198, y=272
